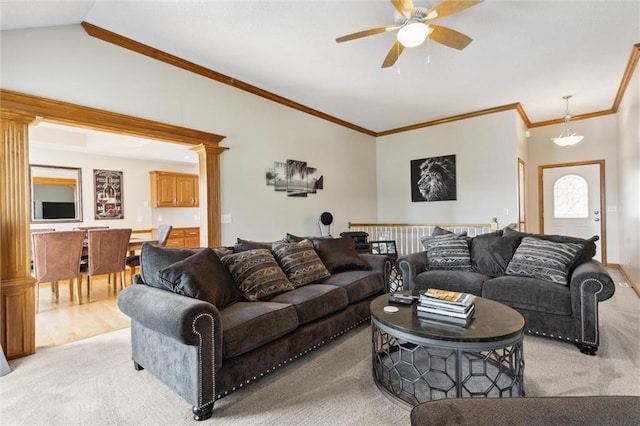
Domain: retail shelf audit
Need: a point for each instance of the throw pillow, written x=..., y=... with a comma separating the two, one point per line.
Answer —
x=257, y=273
x=300, y=262
x=544, y=260
x=244, y=245
x=155, y=258
x=339, y=254
x=588, y=245
x=437, y=231
x=490, y=256
x=448, y=252
x=202, y=276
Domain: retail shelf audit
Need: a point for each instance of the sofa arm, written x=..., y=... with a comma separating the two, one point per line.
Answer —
x=410, y=266
x=590, y=284
x=190, y=321
x=380, y=264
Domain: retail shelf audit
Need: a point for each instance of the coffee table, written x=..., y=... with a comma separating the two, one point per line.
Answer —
x=415, y=361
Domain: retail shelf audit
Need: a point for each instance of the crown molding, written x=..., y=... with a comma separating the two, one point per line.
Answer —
x=39, y=108
x=143, y=49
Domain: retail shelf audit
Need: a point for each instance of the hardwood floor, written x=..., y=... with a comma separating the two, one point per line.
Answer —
x=60, y=322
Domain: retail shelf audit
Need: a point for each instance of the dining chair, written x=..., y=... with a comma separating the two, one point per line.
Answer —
x=56, y=256
x=107, y=250
x=162, y=235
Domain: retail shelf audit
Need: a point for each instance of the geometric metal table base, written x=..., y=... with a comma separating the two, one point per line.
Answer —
x=412, y=369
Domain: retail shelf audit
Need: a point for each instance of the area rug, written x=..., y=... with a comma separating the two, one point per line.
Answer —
x=93, y=381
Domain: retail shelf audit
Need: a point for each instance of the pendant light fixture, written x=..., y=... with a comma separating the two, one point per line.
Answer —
x=567, y=138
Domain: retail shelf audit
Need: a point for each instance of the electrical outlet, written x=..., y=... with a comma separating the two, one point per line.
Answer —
x=139, y=218
x=159, y=218
x=226, y=218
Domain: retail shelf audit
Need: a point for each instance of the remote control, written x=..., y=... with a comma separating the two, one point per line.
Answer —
x=403, y=299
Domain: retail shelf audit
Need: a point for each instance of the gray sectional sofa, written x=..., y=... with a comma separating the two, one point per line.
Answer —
x=201, y=325
x=551, y=280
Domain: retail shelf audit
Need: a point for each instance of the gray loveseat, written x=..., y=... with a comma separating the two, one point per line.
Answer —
x=524, y=271
x=201, y=325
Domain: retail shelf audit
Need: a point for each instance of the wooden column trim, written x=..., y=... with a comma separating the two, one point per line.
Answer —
x=17, y=297
x=210, y=196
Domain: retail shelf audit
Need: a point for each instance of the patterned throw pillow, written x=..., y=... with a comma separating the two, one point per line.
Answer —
x=257, y=273
x=300, y=262
x=447, y=252
x=544, y=260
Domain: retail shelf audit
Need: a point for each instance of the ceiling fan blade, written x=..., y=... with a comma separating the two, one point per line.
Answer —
x=366, y=33
x=393, y=54
x=449, y=37
x=449, y=7
x=402, y=6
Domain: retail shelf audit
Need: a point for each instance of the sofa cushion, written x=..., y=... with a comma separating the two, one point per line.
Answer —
x=544, y=260
x=314, y=301
x=153, y=259
x=202, y=276
x=529, y=293
x=300, y=262
x=358, y=284
x=257, y=273
x=339, y=254
x=447, y=252
x=491, y=255
x=466, y=282
x=248, y=325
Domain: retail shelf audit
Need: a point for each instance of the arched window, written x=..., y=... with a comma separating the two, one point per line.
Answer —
x=570, y=197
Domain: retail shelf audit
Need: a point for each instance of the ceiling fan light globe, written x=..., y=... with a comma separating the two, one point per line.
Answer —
x=414, y=34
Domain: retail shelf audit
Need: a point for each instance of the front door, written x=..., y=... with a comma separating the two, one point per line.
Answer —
x=573, y=200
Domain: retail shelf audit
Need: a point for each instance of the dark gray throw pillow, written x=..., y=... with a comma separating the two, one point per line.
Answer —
x=544, y=260
x=202, y=276
x=490, y=255
x=339, y=254
x=153, y=259
x=245, y=245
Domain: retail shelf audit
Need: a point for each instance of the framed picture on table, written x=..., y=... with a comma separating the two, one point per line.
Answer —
x=383, y=247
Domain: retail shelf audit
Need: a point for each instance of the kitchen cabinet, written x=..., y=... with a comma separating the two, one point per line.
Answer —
x=169, y=189
x=184, y=237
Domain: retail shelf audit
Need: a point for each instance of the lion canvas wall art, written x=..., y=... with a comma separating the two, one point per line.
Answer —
x=433, y=179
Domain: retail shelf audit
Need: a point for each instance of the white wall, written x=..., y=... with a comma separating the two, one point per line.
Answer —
x=486, y=169
x=599, y=143
x=136, y=191
x=64, y=63
x=628, y=174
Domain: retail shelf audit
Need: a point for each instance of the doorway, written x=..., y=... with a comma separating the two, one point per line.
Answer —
x=572, y=201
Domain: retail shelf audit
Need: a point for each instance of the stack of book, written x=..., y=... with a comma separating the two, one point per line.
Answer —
x=448, y=307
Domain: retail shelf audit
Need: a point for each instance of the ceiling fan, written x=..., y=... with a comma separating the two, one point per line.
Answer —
x=414, y=26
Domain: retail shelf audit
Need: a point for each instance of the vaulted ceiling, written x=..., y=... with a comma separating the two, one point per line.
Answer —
x=526, y=52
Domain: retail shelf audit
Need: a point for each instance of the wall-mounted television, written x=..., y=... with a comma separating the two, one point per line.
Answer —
x=58, y=210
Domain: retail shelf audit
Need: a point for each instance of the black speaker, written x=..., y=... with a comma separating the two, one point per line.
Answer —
x=326, y=218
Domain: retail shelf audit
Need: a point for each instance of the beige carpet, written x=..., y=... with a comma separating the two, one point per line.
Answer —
x=93, y=381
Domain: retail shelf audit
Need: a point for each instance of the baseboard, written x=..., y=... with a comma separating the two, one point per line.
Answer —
x=626, y=276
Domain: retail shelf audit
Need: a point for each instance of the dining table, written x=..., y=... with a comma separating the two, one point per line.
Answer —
x=135, y=244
